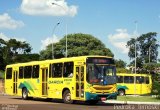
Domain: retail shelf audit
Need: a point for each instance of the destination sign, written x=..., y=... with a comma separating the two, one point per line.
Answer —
x=100, y=60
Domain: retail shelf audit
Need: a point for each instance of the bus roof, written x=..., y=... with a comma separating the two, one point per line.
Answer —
x=57, y=60
x=132, y=74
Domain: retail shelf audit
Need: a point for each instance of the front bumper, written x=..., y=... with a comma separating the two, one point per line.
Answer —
x=93, y=96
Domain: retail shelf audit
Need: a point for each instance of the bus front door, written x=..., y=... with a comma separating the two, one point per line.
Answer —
x=80, y=82
x=44, y=81
x=15, y=77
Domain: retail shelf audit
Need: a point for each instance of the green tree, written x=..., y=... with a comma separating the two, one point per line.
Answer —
x=78, y=44
x=26, y=57
x=143, y=43
x=2, y=44
x=122, y=70
x=13, y=48
x=147, y=41
x=120, y=63
x=18, y=47
x=121, y=66
x=13, y=51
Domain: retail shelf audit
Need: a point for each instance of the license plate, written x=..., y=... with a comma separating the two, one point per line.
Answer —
x=103, y=99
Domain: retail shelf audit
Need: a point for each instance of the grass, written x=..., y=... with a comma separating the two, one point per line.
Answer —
x=138, y=98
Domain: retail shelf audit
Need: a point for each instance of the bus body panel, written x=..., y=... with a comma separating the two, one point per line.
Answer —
x=46, y=86
x=8, y=87
x=97, y=91
x=141, y=86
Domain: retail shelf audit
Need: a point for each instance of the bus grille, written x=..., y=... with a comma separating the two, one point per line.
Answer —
x=102, y=88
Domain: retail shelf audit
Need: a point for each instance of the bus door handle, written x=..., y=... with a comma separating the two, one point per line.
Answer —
x=48, y=87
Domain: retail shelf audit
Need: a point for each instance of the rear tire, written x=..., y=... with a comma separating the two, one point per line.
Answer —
x=67, y=97
x=121, y=92
x=24, y=94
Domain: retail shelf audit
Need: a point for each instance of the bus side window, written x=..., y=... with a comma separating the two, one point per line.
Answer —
x=9, y=73
x=57, y=69
x=147, y=80
x=50, y=71
x=128, y=79
x=27, y=71
x=119, y=79
x=35, y=73
x=20, y=72
x=82, y=73
x=68, y=69
x=139, y=79
x=77, y=73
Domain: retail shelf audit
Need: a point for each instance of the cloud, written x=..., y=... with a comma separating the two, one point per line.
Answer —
x=6, y=38
x=6, y=22
x=48, y=41
x=119, y=40
x=46, y=8
x=120, y=35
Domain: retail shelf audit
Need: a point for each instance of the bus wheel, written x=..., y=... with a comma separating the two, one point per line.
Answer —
x=121, y=92
x=67, y=97
x=24, y=94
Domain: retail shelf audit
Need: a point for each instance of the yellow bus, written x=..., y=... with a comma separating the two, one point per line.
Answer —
x=139, y=84
x=84, y=78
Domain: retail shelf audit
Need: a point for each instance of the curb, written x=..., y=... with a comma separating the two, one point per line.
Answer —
x=131, y=102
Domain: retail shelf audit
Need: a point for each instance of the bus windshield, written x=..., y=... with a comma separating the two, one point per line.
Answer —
x=101, y=74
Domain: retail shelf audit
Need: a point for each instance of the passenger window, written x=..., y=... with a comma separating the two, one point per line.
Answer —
x=50, y=71
x=147, y=80
x=77, y=74
x=35, y=73
x=68, y=69
x=82, y=73
x=119, y=79
x=57, y=69
x=20, y=72
x=139, y=79
x=27, y=71
x=9, y=73
x=128, y=79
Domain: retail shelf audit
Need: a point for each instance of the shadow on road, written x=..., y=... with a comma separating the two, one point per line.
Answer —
x=60, y=101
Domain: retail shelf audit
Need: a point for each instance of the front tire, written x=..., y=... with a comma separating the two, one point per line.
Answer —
x=67, y=97
x=121, y=92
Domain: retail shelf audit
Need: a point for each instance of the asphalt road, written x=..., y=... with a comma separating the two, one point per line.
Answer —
x=16, y=103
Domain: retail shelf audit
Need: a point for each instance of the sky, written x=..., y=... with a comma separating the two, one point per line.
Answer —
x=111, y=21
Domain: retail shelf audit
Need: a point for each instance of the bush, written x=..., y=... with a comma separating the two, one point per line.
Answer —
x=1, y=74
x=122, y=70
x=156, y=85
